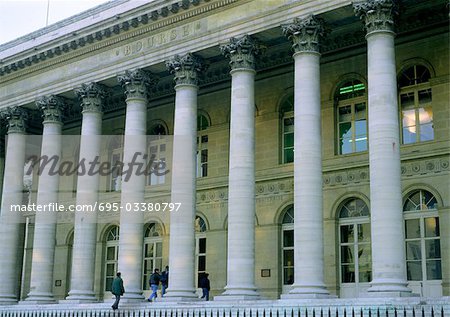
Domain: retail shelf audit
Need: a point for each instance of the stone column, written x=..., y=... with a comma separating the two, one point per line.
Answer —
x=182, y=232
x=241, y=181
x=12, y=195
x=308, y=215
x=388, y=259
x=41, y=285
x=135, y=84
x=85, y=232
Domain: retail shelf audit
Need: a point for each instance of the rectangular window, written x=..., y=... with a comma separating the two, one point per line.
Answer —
x=288, y=139
x=202, y=156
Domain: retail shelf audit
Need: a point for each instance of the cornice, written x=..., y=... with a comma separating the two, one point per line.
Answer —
x=169, y=14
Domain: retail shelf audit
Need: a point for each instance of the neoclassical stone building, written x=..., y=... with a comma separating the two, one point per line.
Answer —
x=303, y=148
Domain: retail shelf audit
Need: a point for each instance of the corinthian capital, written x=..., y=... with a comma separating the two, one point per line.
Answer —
x=305, y=34
x=91, y=96
x=378, y=15
x=186, y=68
x=52, y=108
x=242, y=52
x=17, y=118
x=136, y=83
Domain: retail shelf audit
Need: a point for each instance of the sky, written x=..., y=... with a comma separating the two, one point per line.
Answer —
x=20, y=17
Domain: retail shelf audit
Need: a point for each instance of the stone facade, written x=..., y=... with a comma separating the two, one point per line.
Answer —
x=113, y=70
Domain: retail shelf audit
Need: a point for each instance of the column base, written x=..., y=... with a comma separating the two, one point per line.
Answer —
x=238, y=294
x=308, y=291
x=306, y=296
x=132, y=297
x=236, y=298
x=179, y=296
x=78, y=297
x=8, y=299
x=36, y=298
x=389, y=288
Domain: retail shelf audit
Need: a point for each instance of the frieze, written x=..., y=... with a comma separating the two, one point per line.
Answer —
x=159, y=39
x=102, y=38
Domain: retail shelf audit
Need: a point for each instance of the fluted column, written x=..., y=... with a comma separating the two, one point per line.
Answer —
x=388, y=259
x=135, y=84
x=41, y=285
x=241, y=181
x=12, y=195
x=182, y=232
x=83, y=259
x=308, y=215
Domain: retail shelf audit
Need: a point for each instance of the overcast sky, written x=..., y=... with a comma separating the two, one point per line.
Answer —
x=20, y=17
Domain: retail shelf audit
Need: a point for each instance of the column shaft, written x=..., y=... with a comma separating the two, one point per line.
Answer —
x=41, y=285
x=133, y=183
x=85, y=232
x=10, y=221
x=182, y=232
x=308, y=215
x=132, y=222
x=241, y=187
x=389, y=271
x=241, y=180
x=388, y=259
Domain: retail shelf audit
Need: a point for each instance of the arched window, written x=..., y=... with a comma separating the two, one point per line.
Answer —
x=152, y=252
x=157, y=153
x=287, y=129
x=422, y=234
x=202, y=145
x=112, y=248
x=355, y=247
x=351, y=116
x=415, y=103
x=287, y=245
x=200, y=246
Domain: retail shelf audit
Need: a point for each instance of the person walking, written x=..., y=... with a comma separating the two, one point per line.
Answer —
x=117, y=289
x=205, y=286
x=155, y=278
x=164, y=280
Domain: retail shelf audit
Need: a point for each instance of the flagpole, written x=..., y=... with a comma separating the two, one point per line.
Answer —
x=48, y=9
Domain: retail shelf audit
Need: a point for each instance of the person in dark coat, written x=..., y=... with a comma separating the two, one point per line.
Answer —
x=117, y=290
x=155, y=278
x=205, y=286
x=164, y=280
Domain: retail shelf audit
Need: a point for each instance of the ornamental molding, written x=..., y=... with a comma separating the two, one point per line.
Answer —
x=378, y=15
x=52, y=108
x=242, y=52
x=16, y=118
x=92, y=96
x=167, y=15
x=186, y=68
x=305, y=34
x=137, y=83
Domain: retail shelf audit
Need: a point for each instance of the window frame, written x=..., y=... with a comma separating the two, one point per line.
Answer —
x=415, y=89
x=155, y=241
x=111, y=243
x=352, y=101
x=420, y=215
